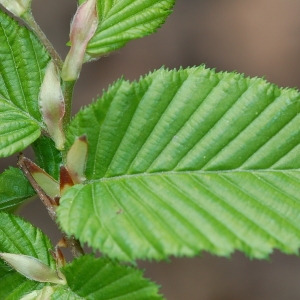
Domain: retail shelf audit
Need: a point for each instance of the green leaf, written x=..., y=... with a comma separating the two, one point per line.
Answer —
x=14, y=188
x=17, y=129
x=20, y=237
x=48, y=157
x=123, y=20
x=14, y=285
x=22, y=65
x=117, y=281
x=185, y=161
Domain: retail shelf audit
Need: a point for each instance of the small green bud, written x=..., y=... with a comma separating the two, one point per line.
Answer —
x=76, y=159
x=17, y=7
x=33, y=268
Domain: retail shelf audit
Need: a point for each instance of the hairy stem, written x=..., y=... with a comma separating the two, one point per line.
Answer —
x=68, y=88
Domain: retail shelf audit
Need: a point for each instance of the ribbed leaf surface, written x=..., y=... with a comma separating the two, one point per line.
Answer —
x=22, y=65
x=188, y=160
x=48, y=157
x=14, y=188
x=116, y=282
x=17, y=129
x=123, y=20
x=20, y=237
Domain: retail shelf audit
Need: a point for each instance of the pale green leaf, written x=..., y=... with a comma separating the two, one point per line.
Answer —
x=123, y=20
x=20, y=237
x=14, y=188
x=185, y=161
x=23, y=60
x=101, y=279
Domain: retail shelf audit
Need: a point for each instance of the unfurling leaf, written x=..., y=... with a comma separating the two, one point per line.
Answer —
x=33, y=268
x=83, y=28
x=52, y=105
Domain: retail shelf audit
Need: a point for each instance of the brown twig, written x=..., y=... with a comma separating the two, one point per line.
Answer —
x=50, y=204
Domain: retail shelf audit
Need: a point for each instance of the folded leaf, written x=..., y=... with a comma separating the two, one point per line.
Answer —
x=14, y=188
x=22, y=66
x=124, y=20
x=185, y=161
x=117, y=281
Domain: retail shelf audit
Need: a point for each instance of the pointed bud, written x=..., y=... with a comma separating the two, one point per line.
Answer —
x=48, y=184
x=17, y=7
x=52, y=105
x=76, y=159
x=32, y=268
x=83, y=27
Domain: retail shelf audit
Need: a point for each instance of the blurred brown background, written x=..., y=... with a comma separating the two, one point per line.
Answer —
x=258, y=38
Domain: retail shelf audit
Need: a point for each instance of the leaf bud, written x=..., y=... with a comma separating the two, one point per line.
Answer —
x=52, y=105
x=83, y=27
x=76, y=159
x=33, y=268
x=17, y=7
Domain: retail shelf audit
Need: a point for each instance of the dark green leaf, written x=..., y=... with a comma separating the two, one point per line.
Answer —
x=14, y=188
x=22, y=65
x=48, y=157
x=102, y=279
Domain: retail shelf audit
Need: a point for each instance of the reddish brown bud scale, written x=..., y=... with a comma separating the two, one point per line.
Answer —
x=65, y=180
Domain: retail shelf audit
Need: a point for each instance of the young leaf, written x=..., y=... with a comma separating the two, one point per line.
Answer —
x=124, y=20
x=185, y=161
x=22, y=66
x=52, y=105
x=20, y=237
x=117, y=281
x=14, y=188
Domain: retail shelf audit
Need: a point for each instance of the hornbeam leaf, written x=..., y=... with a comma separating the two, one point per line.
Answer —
x=185, y=161
x=48, y=157
x=14, y=188
x=117, y=281
x=22, y=66
x=123, y=20
x=17, y=129
x=20, y=237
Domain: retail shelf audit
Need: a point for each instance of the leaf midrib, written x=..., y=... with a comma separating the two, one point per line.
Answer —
x=194, y=172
